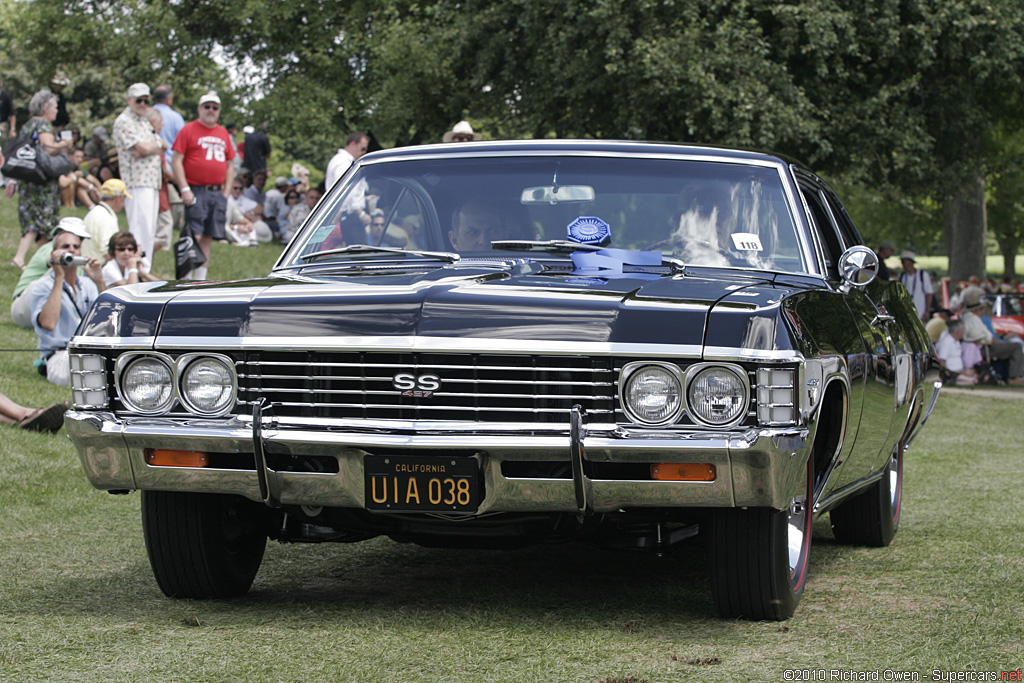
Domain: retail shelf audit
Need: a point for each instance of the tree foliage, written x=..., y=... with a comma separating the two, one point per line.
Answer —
x=904, y=96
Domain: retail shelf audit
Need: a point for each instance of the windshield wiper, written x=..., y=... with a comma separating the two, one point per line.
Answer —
x=567, y=247
x=370, y=249
x=557, y=246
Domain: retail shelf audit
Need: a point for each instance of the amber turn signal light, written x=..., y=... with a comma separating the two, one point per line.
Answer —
x=683, y=471
x=169, y=458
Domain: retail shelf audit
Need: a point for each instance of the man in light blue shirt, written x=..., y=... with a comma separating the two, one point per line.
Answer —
x=60, y=299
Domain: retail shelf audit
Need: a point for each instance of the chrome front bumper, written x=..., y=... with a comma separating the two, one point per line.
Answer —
x=755, y=467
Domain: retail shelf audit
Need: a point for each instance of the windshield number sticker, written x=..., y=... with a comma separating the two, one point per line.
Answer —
x=746, y=241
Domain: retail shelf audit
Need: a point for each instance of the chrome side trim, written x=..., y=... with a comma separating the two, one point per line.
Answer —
x=835, y=497
x=121, y=343
x=738, y=354
x=936, y=388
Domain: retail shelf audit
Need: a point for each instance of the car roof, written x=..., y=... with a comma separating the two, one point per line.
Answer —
x=624, y=148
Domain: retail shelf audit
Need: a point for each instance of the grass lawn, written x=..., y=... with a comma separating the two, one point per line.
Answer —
x=78, y=601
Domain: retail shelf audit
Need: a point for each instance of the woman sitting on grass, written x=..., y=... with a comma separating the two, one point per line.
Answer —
x=125, y=265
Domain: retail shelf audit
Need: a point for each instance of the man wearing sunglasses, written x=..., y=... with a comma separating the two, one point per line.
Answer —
x=204, y=172
x=139, y=150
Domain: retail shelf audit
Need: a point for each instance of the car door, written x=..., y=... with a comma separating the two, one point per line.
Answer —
x=873, y=368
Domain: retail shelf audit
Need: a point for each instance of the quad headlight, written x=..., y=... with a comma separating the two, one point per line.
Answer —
x=147, y=385
x=151, y=383
x=208, y=386
x=717, y=395
x=652, y=393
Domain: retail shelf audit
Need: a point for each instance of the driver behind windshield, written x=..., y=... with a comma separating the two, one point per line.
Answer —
x=476, y=223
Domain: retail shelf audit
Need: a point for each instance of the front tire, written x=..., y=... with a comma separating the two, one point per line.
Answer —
x=202, y=545
x=872, y=518
x=759, y=558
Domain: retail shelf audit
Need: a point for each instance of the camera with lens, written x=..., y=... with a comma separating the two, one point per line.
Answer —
x=71, y=260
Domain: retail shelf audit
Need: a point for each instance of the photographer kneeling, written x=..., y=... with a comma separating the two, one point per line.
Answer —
x=60, y=298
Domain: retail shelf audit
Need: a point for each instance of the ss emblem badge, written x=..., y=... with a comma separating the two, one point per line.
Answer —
x=422, y=386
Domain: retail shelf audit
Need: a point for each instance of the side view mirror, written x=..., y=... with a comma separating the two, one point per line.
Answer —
x=858, y=267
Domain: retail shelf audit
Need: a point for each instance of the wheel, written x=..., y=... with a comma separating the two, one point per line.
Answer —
x=759, y=558
x=202, y=545
x=873, y=517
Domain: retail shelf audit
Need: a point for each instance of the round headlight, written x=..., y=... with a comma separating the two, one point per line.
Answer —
x=147, y=386
x=652, y=394
x=208, y=386
x=717, y=396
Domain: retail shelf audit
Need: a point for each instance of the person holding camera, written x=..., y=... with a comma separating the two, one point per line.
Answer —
x=60, y=298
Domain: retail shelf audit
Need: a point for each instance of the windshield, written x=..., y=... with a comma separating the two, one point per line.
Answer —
x=700, y=212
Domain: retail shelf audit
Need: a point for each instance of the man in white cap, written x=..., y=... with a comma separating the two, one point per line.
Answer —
x=204, y=172
x=461, y=132
x=918, y=283
x=139, y=154
x=60, y=298
x=101, y=221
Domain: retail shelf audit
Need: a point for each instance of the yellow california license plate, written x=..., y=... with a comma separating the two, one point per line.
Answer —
x=411, y=483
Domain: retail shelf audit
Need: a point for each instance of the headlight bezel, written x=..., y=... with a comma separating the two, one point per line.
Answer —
x=187, y=363
x=125, y=363
x=630, y=370
x=177, y=368
x=694, y=372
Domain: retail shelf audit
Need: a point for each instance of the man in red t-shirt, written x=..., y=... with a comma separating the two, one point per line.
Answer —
x=204, y=172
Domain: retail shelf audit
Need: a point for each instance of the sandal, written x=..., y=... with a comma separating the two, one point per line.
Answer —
x=49, y=419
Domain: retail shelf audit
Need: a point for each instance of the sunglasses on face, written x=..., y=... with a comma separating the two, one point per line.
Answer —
x=462, y=138
x=237, y=187
x=141, y=100
x=132, y=249
x=213, y=107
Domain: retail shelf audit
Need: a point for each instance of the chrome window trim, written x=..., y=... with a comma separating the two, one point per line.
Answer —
x=580, y=149
x=673, y=369
x=694, y=370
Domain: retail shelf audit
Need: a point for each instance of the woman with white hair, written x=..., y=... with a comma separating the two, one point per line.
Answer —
x=38, y=205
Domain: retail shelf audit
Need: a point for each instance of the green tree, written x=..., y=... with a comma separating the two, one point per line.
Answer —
x=1005, y=203
x=903, y=97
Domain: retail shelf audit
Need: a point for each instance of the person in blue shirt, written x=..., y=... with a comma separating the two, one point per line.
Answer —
x=60, y=299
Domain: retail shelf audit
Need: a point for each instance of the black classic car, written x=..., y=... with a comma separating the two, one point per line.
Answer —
x=493, y=344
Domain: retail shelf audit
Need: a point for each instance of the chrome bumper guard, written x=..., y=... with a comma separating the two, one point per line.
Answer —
x=757, y=467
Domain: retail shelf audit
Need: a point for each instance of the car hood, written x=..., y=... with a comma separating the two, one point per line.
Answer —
x=514, y=304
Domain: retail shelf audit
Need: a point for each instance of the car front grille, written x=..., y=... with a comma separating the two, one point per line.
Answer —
x=401, y=386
